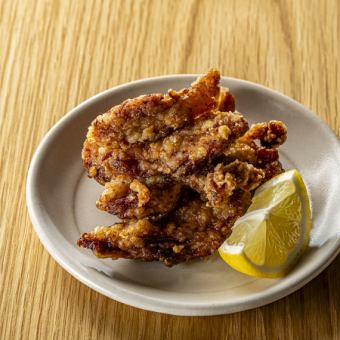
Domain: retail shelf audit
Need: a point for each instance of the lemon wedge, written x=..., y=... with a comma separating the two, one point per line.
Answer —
x=272, y=235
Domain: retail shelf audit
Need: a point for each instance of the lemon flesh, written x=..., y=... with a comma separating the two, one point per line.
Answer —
x=268, y=240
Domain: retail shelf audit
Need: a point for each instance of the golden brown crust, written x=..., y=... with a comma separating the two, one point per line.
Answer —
x=270, y=134
x=149, y=117
x=175, y=155
x=115, y=139
x=187, y=149
x=179, y=169
x=193, y=230
x=217, y=186
x=133, y=199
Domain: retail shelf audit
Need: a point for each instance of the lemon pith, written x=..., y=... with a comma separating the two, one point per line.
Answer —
x=271, y=236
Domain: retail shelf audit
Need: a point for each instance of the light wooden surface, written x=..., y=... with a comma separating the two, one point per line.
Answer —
x=55, y=54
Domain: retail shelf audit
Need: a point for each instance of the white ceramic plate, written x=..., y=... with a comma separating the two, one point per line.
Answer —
x=61, y=203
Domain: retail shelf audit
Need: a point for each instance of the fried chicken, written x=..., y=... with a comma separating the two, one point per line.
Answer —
x=270, y=135
x=148, y=118
x=178, y=169
x=175, y=155
x=217, y=187
x=196, y=229
x=193, y=230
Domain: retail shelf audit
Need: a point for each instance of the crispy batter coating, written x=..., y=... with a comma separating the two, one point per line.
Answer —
x=245, y=163
x=225, y=193
x=193, y=230
x=189, y=148
x=217, y=187
x=270, y=134
x=175, y=155
x=246, y=167
x=179, y=169
x=129, y=198
x=148, y=118
x=133, y=199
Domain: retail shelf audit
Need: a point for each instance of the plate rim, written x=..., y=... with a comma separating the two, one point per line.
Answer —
x=165, y=306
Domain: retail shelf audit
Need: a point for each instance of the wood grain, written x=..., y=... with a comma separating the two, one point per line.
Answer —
x=55, y=54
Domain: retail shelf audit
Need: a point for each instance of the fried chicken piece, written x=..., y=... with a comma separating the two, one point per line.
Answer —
x=175, y=155
x=245, y=165
x=271, y=135
x=217, y=187
x=148, y=118
x=192, y=231
x=133, y=199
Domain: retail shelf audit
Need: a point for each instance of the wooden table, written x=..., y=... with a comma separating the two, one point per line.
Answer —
x=55, y=54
